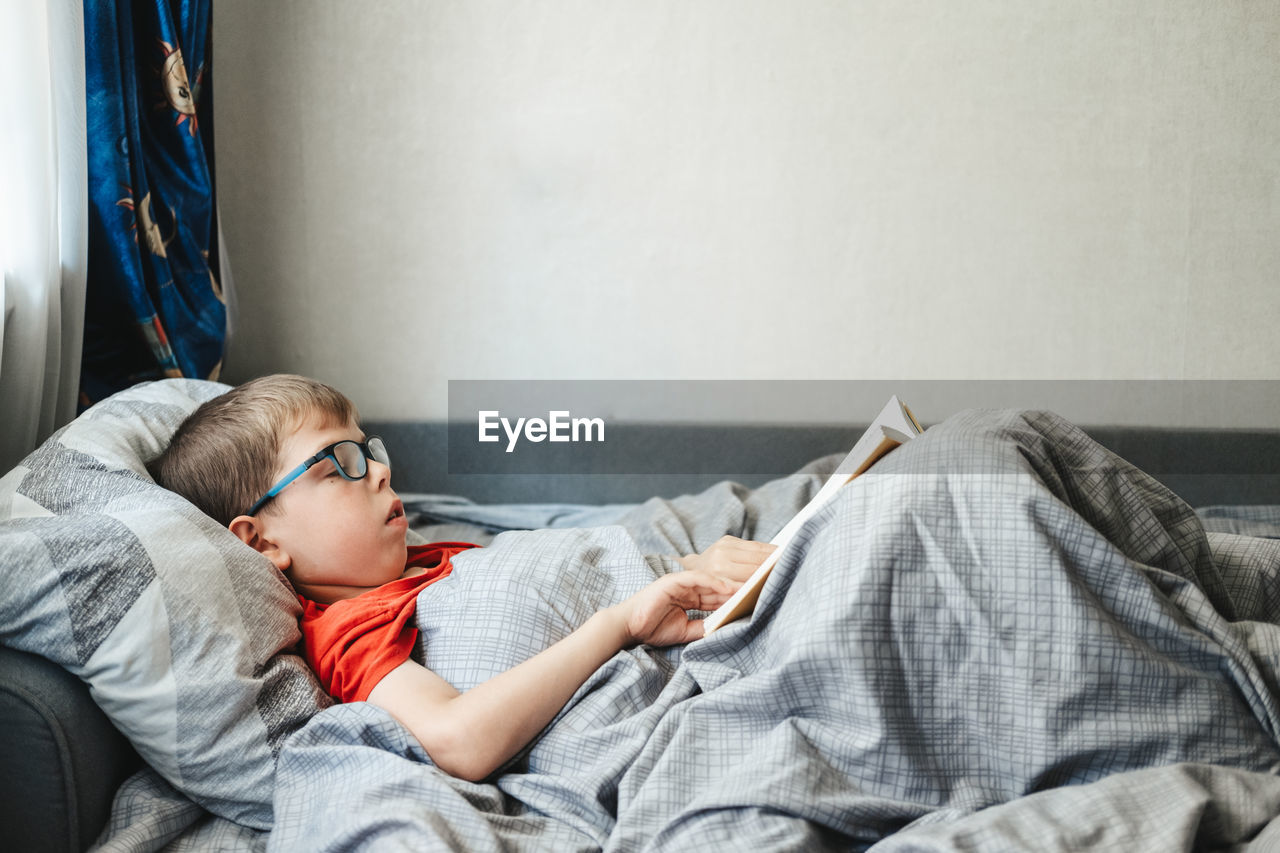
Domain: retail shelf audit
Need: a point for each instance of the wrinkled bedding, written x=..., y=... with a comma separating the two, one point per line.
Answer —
x=1003, y=637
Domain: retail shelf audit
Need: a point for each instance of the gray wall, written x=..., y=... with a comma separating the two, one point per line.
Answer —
x=420, y=191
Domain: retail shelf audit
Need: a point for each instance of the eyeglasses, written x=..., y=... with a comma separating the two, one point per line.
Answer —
x=349, y=458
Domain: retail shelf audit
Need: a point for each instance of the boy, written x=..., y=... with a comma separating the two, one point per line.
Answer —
x=282, y=462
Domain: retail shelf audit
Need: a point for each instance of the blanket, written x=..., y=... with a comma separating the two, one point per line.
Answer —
x=1002, y=637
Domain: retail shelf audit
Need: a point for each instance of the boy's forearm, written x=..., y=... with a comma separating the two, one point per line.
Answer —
x=476, y=732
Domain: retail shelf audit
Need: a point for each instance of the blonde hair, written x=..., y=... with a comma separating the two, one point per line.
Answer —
x=224, y=455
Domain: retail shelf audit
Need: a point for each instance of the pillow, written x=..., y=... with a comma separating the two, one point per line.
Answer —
x=185, y=635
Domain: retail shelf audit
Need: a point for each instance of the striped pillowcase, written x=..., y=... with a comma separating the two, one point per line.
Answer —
x=185, y=636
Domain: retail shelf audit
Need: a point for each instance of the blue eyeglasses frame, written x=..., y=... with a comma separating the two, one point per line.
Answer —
x=371, y=448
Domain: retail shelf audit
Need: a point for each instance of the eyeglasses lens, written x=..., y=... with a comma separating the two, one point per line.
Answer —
x=350, y=459
x=379, y=451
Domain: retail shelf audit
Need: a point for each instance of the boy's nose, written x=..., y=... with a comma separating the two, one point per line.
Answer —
x=379, y=474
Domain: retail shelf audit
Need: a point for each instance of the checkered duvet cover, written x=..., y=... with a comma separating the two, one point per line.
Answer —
x=1002, y=637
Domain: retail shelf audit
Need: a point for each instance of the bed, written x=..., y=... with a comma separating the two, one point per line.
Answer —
x=1004, y=637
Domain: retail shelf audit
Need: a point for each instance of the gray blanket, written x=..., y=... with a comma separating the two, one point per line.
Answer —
x=1003, y=637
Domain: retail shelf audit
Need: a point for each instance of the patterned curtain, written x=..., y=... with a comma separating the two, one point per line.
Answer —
x=154, y=307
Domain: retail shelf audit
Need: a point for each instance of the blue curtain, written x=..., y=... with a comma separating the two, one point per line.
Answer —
x=153, y=305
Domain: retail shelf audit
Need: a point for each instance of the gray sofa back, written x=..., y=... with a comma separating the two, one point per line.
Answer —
x=1204, y=467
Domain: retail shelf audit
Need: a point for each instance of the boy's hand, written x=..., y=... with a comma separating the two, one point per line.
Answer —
x=656, y=614
x=729, y=557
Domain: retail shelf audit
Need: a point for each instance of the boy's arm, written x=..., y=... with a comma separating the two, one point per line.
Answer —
x=472, y=734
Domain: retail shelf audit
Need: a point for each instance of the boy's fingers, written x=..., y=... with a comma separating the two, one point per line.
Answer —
x=756, y=556
x=729, y=541
x=714, y=584
x=696, y=593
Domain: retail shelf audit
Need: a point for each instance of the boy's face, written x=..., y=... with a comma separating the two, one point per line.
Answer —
x=338, y=537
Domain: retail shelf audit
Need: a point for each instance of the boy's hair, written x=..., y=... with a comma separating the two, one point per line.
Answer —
x=224, y=455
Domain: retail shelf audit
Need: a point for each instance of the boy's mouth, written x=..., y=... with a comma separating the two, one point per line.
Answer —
x=397, y=511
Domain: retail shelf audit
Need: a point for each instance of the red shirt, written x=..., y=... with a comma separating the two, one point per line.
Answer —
x=351, y=644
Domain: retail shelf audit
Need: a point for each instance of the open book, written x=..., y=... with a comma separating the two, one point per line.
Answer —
x=894, y=425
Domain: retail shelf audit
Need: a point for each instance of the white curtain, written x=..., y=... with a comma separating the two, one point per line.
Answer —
x=43, y=219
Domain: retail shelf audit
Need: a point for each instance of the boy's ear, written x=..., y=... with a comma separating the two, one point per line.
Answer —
x=250, y=531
